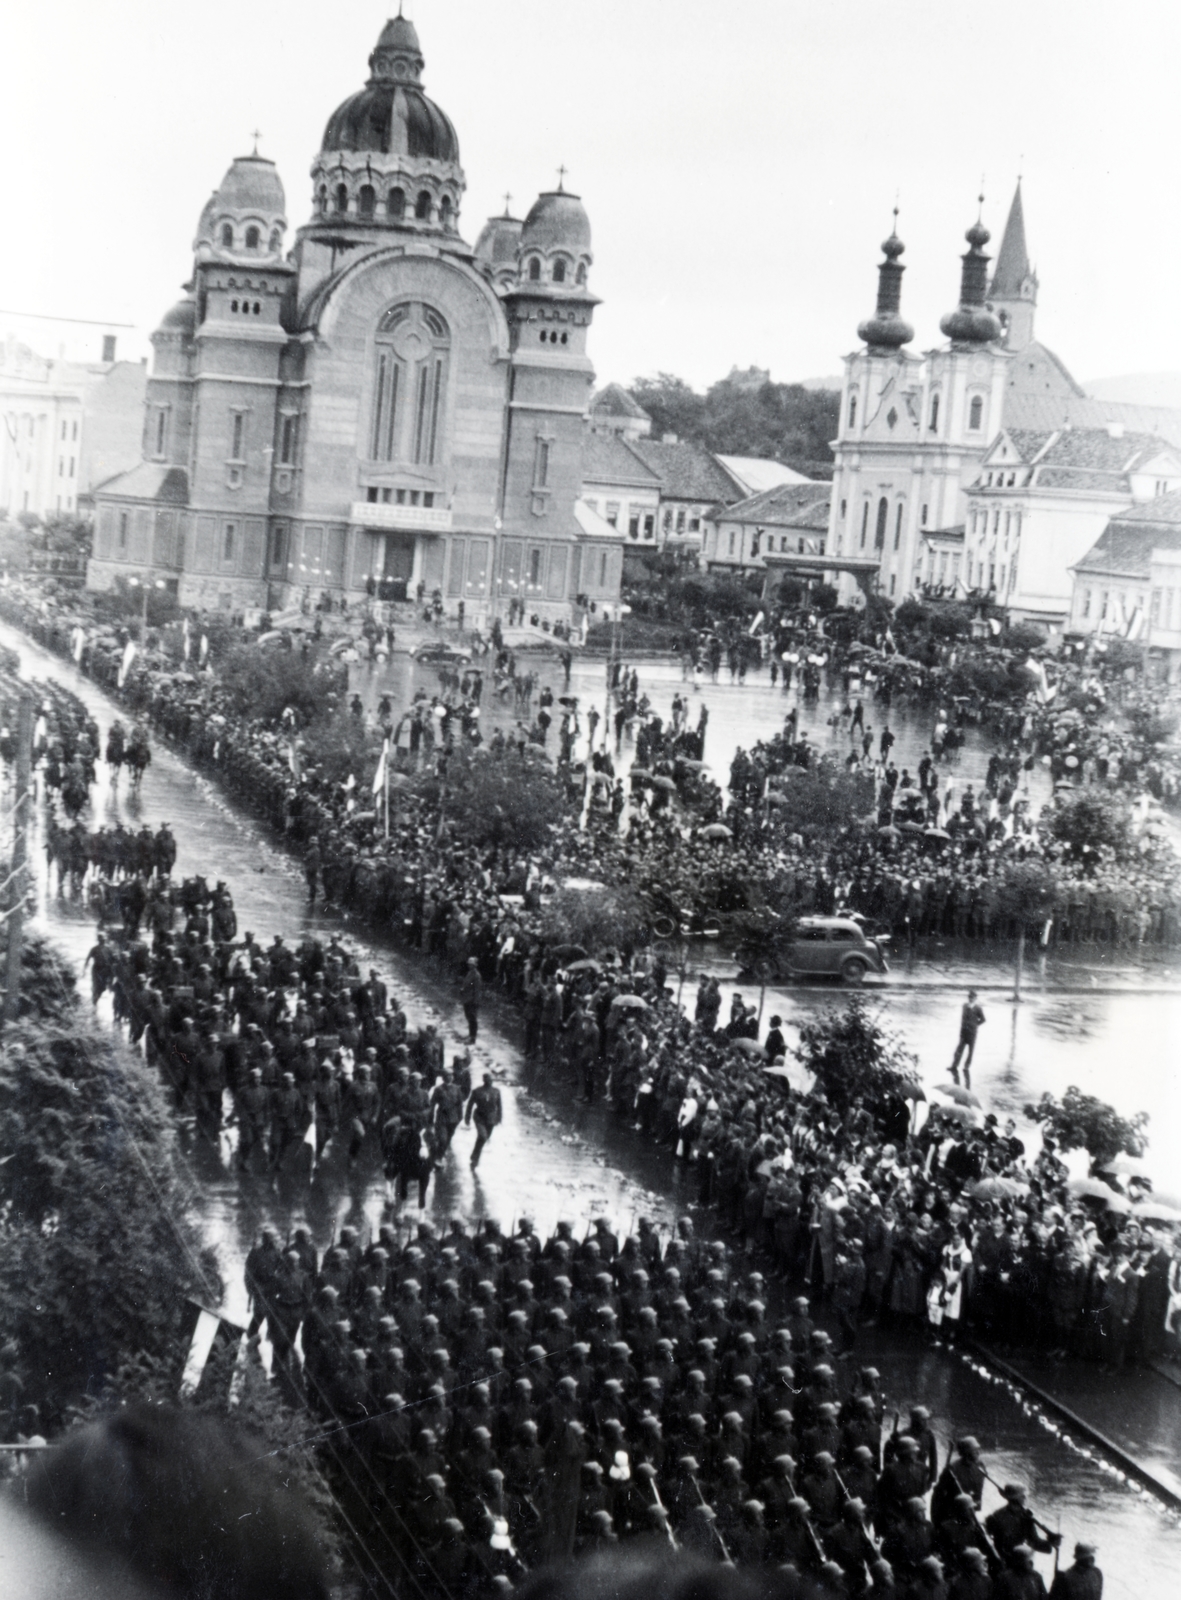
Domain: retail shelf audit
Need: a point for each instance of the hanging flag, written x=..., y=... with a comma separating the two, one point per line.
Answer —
x=186, y=639
x=1136, y=626
x=757, y=623
x=309, y=1137
x=203, y=650
x=379, y=775
x=125, y=664
x=207, y=1330
x=79, y=639
x=293, y=760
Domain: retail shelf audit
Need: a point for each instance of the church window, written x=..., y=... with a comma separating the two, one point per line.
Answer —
x=276, y=240
x=233, y=305
x=844, y=509
x=559, y=271
x=1087, y=603
x=580, y=276
x=976, y=413
x=342, y=198
x=123, y=530
x=535, y=274
x=898, y=525
x=366, y=200
x=161, y=422
x=541, y=470
x=410, y=376
x=934, y=413
x=227, y=541
x=278, y=543
x=227, y=236
x=445, y=209
x=395, y=206
x=289, y=440
x=322, y=198
x=852, y=410
x=252, y=238
x=924, y=518
x=422, y=206
x=565, y=337
x=237, y=436
x=879, y=536
x=864, y=523
x=257, y=309
x=893, y=580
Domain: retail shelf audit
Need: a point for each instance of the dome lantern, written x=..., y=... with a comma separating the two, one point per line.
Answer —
x=886, y=331
x=972, y=323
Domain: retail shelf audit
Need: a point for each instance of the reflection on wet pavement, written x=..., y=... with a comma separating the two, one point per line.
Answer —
x=550, y=1159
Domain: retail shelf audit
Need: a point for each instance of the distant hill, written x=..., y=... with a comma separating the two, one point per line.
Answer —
x=822, y=383
x=1139, y=388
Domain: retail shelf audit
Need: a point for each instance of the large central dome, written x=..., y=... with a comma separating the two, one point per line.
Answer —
x=392, y=115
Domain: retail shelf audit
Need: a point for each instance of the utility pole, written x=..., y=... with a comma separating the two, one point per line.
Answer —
x=20, y=811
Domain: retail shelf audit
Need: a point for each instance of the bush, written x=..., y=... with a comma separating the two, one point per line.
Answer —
x=597, y=919
x=822, y=800
x=852, y=1056
x=1081, y=1122
x=263, y=681
x=1027, y=893
x=1089, y=821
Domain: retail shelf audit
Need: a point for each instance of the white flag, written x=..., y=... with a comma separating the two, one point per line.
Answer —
x=379, y=775
x=125, y=664
x=203, y=652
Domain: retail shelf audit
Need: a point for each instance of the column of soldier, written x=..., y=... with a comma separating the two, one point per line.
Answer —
x=499, y=1404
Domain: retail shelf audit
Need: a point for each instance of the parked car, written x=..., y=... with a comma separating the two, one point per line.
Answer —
x=834, y=947
x=441, y=653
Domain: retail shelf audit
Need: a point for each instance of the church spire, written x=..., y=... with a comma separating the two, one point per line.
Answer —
x=972, y=323
x=1013, y=290
x=886, y=331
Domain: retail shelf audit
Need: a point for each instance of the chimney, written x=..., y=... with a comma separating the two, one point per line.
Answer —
x=108, y=347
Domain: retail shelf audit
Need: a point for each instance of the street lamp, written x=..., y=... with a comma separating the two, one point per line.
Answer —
x=145, y=584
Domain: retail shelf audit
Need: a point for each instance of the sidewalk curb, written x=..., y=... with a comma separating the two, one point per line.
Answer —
x=1116, y=1452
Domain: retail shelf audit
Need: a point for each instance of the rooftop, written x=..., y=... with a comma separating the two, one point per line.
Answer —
x=788, y=505
x=607, y=459
x=689, y=472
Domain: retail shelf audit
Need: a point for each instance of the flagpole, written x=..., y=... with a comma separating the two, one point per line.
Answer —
x=386, y=763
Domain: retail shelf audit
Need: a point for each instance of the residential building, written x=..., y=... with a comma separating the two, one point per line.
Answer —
x=1128, y=585
x=621, y=488
x=789, y=519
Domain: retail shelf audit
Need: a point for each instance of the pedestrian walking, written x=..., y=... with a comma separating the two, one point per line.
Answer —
x=971, y=1021
x=470, y=993
x=485, y=1109
x=311, y=867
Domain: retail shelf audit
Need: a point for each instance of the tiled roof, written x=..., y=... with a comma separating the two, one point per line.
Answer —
x=689, y=472
x=1164, y=511
x=1075, y=478
x=607, y=459
x=1100, y=451
x=1045, y=412
x=1124, y=549
x=1028, y=441
x=1012, y=262
x=151, y=480
x=757, y=474
x=788, y=505
x=614, y=401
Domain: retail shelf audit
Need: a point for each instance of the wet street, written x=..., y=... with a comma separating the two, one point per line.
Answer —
x=553, y=1160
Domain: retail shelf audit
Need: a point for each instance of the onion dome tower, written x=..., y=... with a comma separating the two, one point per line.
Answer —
x=497, y=247
x=886, y=331
x=972, y=323
x=555, y=247
x=246, y=216
x=390, y=157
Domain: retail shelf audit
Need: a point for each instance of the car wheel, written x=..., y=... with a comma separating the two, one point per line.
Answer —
x=854, y=969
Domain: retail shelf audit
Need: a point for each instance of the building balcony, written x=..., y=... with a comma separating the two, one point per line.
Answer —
x=379, y=515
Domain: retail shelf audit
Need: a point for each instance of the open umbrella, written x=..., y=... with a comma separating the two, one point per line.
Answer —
x=345, y=643
x=630, y=1002
x=569, y=952
x=695, y=766
x=997, y=1189
x=266, y=638
x=584, y=966
x=749, y=1047
x=912, y=1091
x=963, y=1097
x=888, y=832
x=666, y=784
x=1093, y=1189
x=1156, y=1211
x=641, y=774
x=957, y=1113
x=936, y=833
x=1128, y=1166
x=912, y=827
x=716, y=830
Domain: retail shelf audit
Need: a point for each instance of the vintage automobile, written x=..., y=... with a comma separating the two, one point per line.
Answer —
x=834, y=947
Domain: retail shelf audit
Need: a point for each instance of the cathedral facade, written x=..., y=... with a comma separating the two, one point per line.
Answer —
x=380, y=409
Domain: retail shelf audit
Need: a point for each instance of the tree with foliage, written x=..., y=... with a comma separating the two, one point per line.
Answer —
x=598, y=919
x=777, y=421
x=1082, y=1122
x=97, y=1253
x=1089, y=820
x=672, y=404
x=821, y=800
x=1027, y=893
x=852, y=1056
x=512, y=799
x=263, y=681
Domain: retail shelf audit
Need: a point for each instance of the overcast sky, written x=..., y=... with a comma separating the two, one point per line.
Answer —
x=739, y=159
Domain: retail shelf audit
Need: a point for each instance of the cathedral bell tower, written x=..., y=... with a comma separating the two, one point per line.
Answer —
x=1012, y=293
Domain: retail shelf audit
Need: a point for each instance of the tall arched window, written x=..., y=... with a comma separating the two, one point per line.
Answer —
x=322, y=198
x=898, y=525
x=395, y=206
x=852, y=410
x=879, y=535
x=409, y=385
x=535, y=270
x=276, y=241
x=227, y=236
x=342, y=198
x=580, y=276
x=445, y=210
x=976, y=413
x=864, y=522
x=422, y=206
x=559, y=271
x=934, y=413
x=252, y=237
x=366, y=200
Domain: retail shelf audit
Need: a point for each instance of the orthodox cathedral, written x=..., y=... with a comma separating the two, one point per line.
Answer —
x=382, y=406
x=981, y=467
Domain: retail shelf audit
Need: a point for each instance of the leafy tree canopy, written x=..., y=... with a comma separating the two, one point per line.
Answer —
x=777, y=421
x=597, y=919
x=853, y=1056
x=511, y=799
x=1082, y=1122
x=1089, y=820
